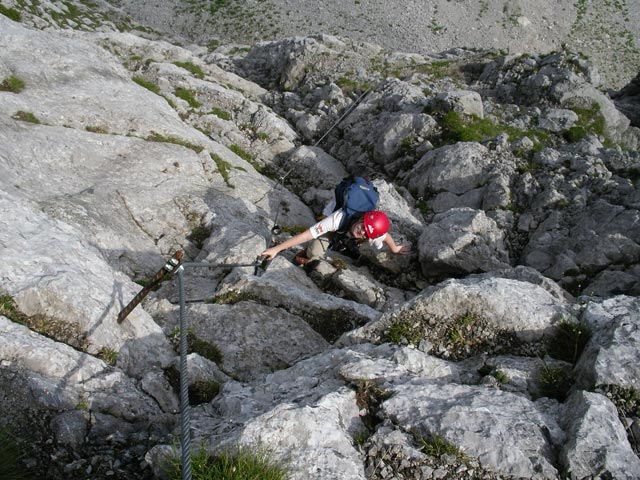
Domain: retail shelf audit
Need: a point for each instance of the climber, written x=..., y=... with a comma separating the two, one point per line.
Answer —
x=327, y=234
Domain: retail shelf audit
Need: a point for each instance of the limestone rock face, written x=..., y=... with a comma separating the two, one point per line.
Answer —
x=118, y=150
x=466, y=103
x=605, y=449
x=462, y=241
x=457, y=169
x=478, y=422
x=527, y=310
x=608, y=358
x=321, y=435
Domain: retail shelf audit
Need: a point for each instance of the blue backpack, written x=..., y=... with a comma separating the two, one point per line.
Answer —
x=355, y=195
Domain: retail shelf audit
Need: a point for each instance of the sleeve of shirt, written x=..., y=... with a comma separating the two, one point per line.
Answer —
x=329, y=224
x=378, y=242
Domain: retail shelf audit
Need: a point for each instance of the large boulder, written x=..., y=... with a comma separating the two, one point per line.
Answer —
x=462, y=241
x=596, y=440
x=285, y=286
x=315, y=442
x=251, y=347
x=503, y=305
x=66, y=378
x=506, y=432
x=456, y=168
x=610, y=356
x=464, y=102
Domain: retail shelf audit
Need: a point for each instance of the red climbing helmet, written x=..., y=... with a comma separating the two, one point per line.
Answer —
x=376, y=223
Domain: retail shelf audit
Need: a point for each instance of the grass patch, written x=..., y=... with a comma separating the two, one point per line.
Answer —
x=199, y=235
x=501, y=377
x=199, y=392
x=461, y=328
x=590, y=121
x=83, y=406
x=108, y=356
x=11, y=455
x=243, y=463
x=188, y=96
x=224, y=168
x=195, y=70
x=12, y=84
x=218, y=112
x=438, y=69
x=626, y=399
x=455, y=128
x=339, y=264
x=25, y=117
x=94, y=129
x=238, y=150
x=437, y=446
x=361, y=437
x=55, y=329
x=348, y=85
x=152, y=87
x=196, y=345
x=203, y=348
x=404, y=332
x=369, y=397
x=12, y=14
x=156, y=137
x=9, y=309
x=569, y=340
x=230, y=297
x=554, y=382
x=216, y=5
x=203, y=392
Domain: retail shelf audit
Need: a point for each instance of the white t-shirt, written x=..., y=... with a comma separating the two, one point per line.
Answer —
x=332, y=223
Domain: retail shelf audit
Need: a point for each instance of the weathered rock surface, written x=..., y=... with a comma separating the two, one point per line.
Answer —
x=145, y=147
x=605, y=450
x=462, y=241
x=478, y=422
x=609, y=359
x=486, y=302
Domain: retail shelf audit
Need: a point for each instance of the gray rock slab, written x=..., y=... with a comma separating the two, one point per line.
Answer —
x=284, y=286
x=454, y=168
x=315, y=441
x=254, y=339
x=67, y=378
x=611, y=355
x=510, y=305
x=596, y=440
x=61, y=262
x=462, y=241
x=506, y=432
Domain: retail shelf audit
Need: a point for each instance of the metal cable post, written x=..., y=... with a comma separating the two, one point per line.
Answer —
x=185, y=419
